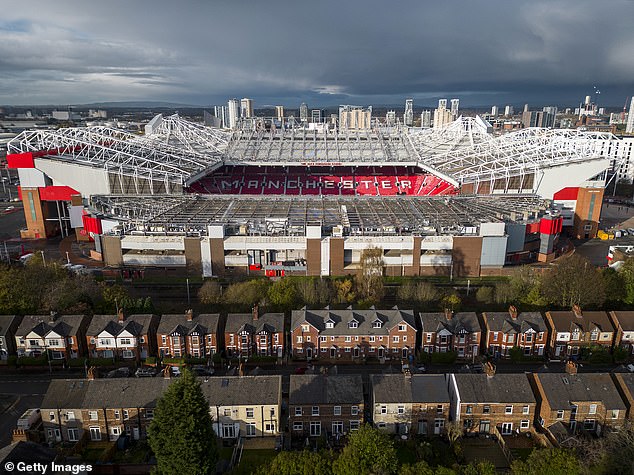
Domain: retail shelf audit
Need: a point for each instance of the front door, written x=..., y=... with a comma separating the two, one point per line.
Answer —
x=309, y=352
x=381, y=352
x=333, y=352
x=422, y=427
x=135, y=433
x=228, y=431
x=58, y=435
x=507, y=428
x=355, y=352
x=438, y=425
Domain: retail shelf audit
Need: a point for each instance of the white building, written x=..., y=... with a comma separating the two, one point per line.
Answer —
x=234, y=112
x=408, y=116
x=246, y=108
x=630, y=119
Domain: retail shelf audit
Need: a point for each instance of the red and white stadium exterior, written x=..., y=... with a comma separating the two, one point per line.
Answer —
x=437, y=201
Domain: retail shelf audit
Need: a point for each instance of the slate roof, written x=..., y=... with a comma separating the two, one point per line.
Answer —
x=342, y=318
x=5, y=323
x=435, y=322
x=625, y=318
x=269, y=322
x=567, y=321
x=65, y=394
x=204, y=323
x=64, y=325
x=500, y=388
x=242, y=390
x=321, y=389
x=563, y=389
x=503, y=322
x=628, y=381
x=420, y=388
x=136, y=325
x=125, y=392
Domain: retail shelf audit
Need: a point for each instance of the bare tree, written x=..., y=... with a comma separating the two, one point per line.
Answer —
x=370, y=281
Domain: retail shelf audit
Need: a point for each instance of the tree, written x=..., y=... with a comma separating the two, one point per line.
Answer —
x=370, y=280
x=283, y=293
x=344, y=291
x=210, y=292
x=451, y=301
x=627, y=273
x=574, y=281
x=368, y=451
x=181, y=434
x=615, y=290
x=419, y=468
x=419, y=292
x=547, y=462
x=246, y=294
x=314, y=291
x=504, y=292
x=480, y=468
x=484, y=294
x=454, y=432
x=305, y=463
x=618, y=449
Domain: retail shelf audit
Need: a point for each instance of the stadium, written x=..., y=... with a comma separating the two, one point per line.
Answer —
x=272, y=200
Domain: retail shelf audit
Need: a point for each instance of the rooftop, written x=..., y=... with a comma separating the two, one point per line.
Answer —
x=322, y=389
x=563, y=390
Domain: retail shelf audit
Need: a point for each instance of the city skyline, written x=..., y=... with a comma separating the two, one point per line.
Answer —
x=483, y=53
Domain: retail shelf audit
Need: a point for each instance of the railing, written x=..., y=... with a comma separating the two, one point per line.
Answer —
x=502, y=443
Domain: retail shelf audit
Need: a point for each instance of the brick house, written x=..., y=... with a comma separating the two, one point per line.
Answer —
x=570, y=331
x=410, y=403
x=482, y=402
x=325, y=404
x=249, y=334
x=353, y=334
x=103, y=409
x=8, y=326
x=244, y=406
x=578, y=401
x=188, y=334
x=505, y=330
x=625, y=385
x=61, y=336
x=623, y=321
x=120, y=336
x=448, y=331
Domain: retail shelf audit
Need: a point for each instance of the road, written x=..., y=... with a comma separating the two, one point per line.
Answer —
x=30, y=390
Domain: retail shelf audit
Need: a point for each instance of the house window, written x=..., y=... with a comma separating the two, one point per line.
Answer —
x=298, y=411
x=337, y=427
x=330, y=325
x=526, y=410
x=560, y=414
x=495, y=336
x=126, y=415
x=300, y=339
x=594, y=336
x=486, y=410
x=73, y=435
x=164, y=340
x=469, y=410
x=298, y=426
x=443, y=339
x=149, y=413
x=428, y=337
x=524, y=424
x=315, y=411
x=401, y=410
x=353, y=324
x=381, y=425
x=249, y=413
x=315, y=428
x=439, y=409
x=383, y=409
x=372, y=338
x=508, y=410
x=528, y=338
x=615, y=413
x=348, y=339
x=354, y=425
x=227, y=412
x=70, y=416
x=92, y=340
x=142, y=339
x=404, y=337
x=126, y=341
x=593, y=409
x=323, y=338
x=377, y=324
x=92, y=415
x=116, y=415
x=395, y=339
x=305, y=328
x=337, y=411
x=95, y=433
x=402, y=328
x=332, y=338
x=307, y=337
x=354, y=410
x=250, y=429
x=589, y=424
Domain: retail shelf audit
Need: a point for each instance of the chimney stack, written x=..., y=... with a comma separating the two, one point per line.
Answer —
x=189, y=314
x=577, y=311
x=91, y=373
x=120, y=315
x=489, y=369
x=52, y=316
x=241, y=369
x=513, y=312
x=167, y=372
x=256, y=311
x=448, y=314
x=571, y=367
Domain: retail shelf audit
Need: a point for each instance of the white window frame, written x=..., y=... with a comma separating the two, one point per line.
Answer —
x=508, y=410
x=298, y=410
x=337, y=410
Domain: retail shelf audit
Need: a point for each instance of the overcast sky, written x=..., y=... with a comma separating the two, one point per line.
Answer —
x=324, y=52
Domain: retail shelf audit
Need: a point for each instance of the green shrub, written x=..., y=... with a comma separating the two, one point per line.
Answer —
x=263, y=359
x=100, y=362
x=12, y=360
x=150, y=360
x=32, y=360
x=620, y=354
x=173, y=361
x=216, y=358
x=77, y=362
x=193, y=361
x=444, y=358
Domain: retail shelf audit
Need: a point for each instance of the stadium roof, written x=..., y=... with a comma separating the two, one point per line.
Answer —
x=286, y=215
x=180, y=152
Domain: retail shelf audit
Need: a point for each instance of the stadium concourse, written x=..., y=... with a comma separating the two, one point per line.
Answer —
x=457, y=200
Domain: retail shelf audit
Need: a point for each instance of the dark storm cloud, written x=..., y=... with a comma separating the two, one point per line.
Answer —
x=325, y=52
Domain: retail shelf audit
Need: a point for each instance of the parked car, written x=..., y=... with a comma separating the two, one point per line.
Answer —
x=119, y=373
x=630, y=368
x=176, y=371
x=421, y=368
x=145, y=372
x=631, y=231
x=201, y=370
x=477, y=368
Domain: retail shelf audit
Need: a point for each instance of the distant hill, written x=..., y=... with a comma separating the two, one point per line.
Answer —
x=138, y=104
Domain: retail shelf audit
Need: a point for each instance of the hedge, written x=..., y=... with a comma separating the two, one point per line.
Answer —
x=33, y=360
x=444, y=358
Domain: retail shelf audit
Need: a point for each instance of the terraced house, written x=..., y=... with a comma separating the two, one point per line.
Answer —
x=569, y=402
x=505, y=330
x=188, y=335
x=353, y=334
x=8, y=325
x=410, y=403
x=59, y=336
x=322, y=404
x=120, y=336
x=448, y=331
x=623, y=321
x=490, y=403
x=249, y=334
x=570, y=331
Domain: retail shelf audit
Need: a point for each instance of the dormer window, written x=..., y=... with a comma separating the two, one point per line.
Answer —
x=353, y=324
x=377, y=324
x=305, y=328
x=330, y=324
x=594, y=335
